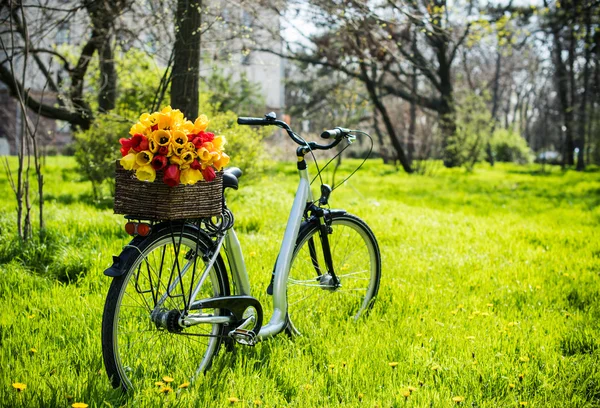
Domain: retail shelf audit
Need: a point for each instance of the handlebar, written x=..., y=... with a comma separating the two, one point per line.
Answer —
x=270, y=120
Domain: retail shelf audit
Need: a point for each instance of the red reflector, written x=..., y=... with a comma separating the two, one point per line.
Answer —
x=143, y=229
x=130, y=228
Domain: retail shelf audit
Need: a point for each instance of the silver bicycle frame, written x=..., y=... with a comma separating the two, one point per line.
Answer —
x=282, y=267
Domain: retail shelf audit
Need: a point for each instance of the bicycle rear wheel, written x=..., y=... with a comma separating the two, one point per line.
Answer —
x=315, y=300
x=139, y=352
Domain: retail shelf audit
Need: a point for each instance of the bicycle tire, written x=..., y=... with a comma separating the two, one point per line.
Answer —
x=313, y=305
x=136, y=352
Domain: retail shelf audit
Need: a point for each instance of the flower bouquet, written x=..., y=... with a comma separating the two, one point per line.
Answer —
x=170, y=168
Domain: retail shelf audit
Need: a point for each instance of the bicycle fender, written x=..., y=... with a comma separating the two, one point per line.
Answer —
x=120, y=261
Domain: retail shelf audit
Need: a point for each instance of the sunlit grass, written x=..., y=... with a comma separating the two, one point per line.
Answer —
x=489, y=297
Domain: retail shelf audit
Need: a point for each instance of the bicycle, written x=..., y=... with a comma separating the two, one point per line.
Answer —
x=170, y=304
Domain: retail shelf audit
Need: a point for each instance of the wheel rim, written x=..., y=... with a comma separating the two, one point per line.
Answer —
x=144, y=354
x=314, y=303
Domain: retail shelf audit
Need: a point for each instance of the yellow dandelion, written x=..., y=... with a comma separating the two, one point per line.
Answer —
x=511, y=386
x=460, y=306
x=19, y=386
x=252, y=253
x=474, y=362
x=435, y=367
x=233, y=400
x=79, y=405
x=308, y=387
x=31, y=316
x=567, y=315
x=360, y=396
x=32, y=350
x=458, y=399
x=393, y=364
x=344, y=364
x=411, y=389
x=159, y=384
x=524, y=359
x=184, y=385
x=165, y=389
x=421, y=383
x=521, y=376
x=331, y=366
x=470, y=337
x=490, y=305
x=522, y=403
x=419, y=334
x=454, y=311
x=168, y=379
x=257, y=402
x=406, y=394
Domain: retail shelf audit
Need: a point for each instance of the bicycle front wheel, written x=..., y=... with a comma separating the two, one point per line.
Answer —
x=317, y=298
x=138, y=350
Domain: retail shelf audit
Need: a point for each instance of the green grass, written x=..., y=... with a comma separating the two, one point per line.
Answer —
x=490, y=291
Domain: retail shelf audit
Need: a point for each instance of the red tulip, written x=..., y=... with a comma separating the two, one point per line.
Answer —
x=154, y=127
x=171, y=177
x=159, y=162
x=163, y=150
x=144, y=144
x=209, y=174
x=125, y=142
x=196, y=165
x=124, y=151
x=206, y=136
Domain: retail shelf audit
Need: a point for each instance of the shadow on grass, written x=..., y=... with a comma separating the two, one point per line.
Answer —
x=104, y=203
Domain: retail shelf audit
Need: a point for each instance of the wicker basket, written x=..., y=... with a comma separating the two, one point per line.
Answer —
x=158, y=201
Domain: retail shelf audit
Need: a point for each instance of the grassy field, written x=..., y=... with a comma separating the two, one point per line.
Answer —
x=490, y=292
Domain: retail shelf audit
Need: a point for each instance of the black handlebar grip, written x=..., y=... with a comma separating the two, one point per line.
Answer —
x=333, y=133
x=252, y=121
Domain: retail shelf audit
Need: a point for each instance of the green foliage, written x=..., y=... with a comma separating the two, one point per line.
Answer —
x=138, y=80
x=473, y=128
x=490, y=278
x=509, y=146
x=225, y=93
x=244, y=144
x=96, y=150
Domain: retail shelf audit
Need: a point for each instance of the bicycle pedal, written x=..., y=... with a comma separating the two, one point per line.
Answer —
x=242, y=336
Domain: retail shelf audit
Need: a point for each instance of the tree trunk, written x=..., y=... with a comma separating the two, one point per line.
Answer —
x=386, y=119
x=447, y=109
x=583, y=117
x=186, y=62
x=563, y=96
x=107, y=97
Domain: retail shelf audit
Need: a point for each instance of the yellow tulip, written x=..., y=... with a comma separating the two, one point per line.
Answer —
x=128, y=162
x=208, y=146
x=152, y=145
x=187, y=127
x=166, y=109
x=176, y=117
x=162, y=137
x=219, y=142
x=190, y=176
x=201, y=123
x=144, y=158
x=189, y=146
x=221, y=161
x=145, y=120
x=138, y=128
x=179, y=138
x=178, y=150
x=176, y=160
x=146, y=173
x=165, y=121
x=203, y=154
x=187, y=157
